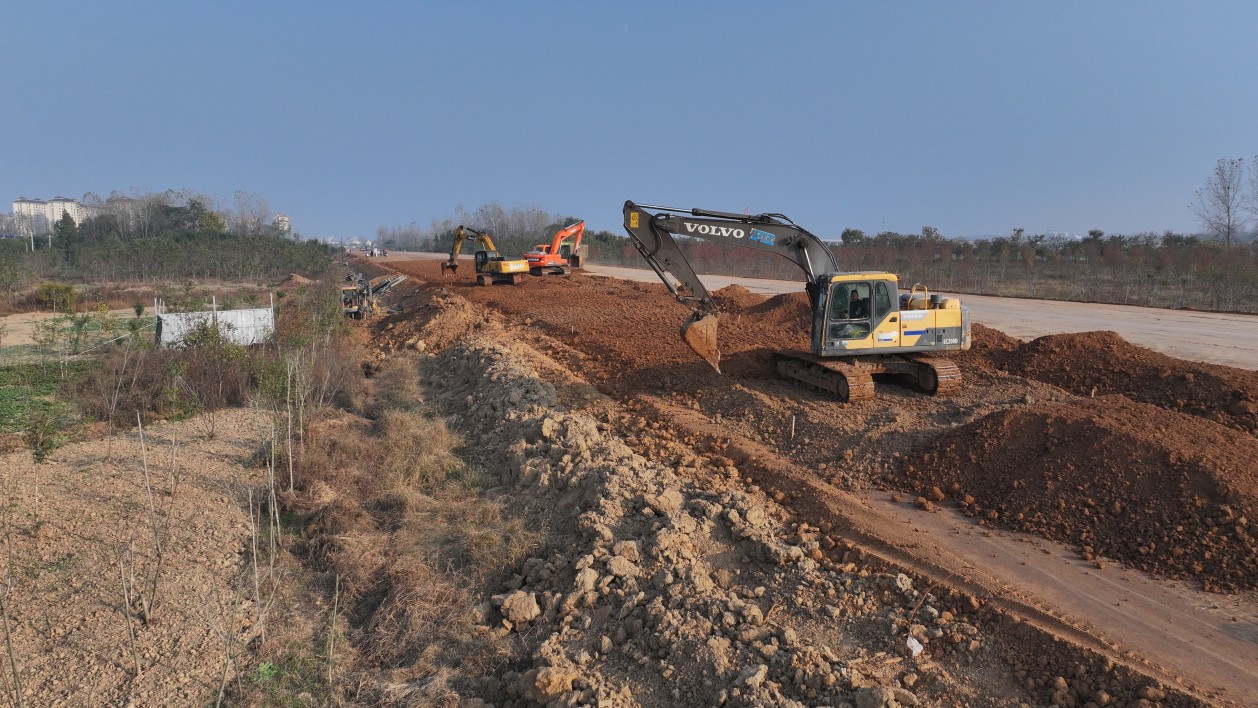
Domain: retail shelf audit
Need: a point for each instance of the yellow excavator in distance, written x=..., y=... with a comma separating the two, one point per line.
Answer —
x=490, y=267
x=861, y=325
x=360, y=297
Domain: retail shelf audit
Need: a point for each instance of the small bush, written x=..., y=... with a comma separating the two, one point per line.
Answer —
x=58, y=297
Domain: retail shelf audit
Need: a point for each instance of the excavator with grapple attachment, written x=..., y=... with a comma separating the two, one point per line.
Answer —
x=861, y=325
x=490, y=267
x=556, y=257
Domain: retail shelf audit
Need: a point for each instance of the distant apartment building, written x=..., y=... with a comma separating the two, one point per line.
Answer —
x=37, y=216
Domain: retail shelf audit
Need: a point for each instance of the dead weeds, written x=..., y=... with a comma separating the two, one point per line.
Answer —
x=397, y=527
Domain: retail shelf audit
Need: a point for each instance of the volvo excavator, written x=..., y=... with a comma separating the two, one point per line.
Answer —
x=490, y=267
x=556, y=257
x=861, y=325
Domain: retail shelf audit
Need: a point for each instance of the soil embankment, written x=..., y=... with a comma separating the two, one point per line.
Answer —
x=1022, y=417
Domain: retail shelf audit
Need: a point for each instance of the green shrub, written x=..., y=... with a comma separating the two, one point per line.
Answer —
x=59, y=297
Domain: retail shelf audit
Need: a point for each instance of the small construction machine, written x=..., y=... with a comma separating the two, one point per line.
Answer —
x=360, y=297
x=861, y=325
x=490, y=267
x=557, y=257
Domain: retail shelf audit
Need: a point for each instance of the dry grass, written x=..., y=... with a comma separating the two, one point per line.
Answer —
x=395, y=387
x=387, y=508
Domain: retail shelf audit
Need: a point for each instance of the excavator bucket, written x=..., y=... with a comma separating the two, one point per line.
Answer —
x=699, y=333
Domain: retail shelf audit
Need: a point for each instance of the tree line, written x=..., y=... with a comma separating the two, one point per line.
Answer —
x=1155, y=270
x=161, y=237
x=1169, y=269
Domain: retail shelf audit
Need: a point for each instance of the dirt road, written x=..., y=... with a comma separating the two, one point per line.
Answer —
x=1217, y=338
x=19, y=328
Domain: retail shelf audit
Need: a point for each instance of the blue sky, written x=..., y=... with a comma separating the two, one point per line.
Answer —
x=972, y=117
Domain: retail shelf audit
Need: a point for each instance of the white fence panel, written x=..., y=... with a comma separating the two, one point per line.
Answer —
x=239, y=326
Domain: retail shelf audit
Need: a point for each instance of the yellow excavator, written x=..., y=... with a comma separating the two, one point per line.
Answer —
x=490, y=267
x=360, y=297
x=861, y=325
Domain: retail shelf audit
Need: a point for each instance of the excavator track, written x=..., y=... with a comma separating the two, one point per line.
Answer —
x=936, y=375
x=852, y=380
x=845, y=381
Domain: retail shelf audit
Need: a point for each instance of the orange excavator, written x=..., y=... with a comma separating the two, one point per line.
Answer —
x=555, y=258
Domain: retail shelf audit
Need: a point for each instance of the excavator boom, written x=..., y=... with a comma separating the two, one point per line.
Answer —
x=652, y=235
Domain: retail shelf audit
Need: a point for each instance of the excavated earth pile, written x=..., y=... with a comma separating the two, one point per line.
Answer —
x=1103, y=363
x=1164, y=492
x=664, y=589
x=1159, y=485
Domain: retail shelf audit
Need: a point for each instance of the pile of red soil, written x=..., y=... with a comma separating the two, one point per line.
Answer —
x=753, y=325
x=989, y=349
x=1163, y=492
x=1100, y=363
x=294, y=281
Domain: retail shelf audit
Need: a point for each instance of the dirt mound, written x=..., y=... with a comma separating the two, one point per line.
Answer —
x=791, y=311
x=621, y=338
x=989, y=349
x=294, y=281
x=1166, y=493
x=666, y=584
x=736, y=297
x=428, y=320
x=1102, y=363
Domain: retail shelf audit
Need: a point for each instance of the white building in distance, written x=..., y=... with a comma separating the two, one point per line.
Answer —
x=37, y=216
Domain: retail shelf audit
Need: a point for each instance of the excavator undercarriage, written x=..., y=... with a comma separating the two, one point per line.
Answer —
x=852, y=380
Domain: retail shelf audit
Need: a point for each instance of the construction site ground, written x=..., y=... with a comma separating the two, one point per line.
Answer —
x=1085, y=505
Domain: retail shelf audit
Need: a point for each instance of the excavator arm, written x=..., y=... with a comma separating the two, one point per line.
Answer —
x=652, y=234
x=574, y=232
x=467, y=232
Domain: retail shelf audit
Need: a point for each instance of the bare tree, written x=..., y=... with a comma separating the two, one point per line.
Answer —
x=1251, y=198
x=1221, y=200
x=252, y=212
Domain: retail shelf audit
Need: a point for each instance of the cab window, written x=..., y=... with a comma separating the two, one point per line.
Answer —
x=882, y=300
x=849, y=311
